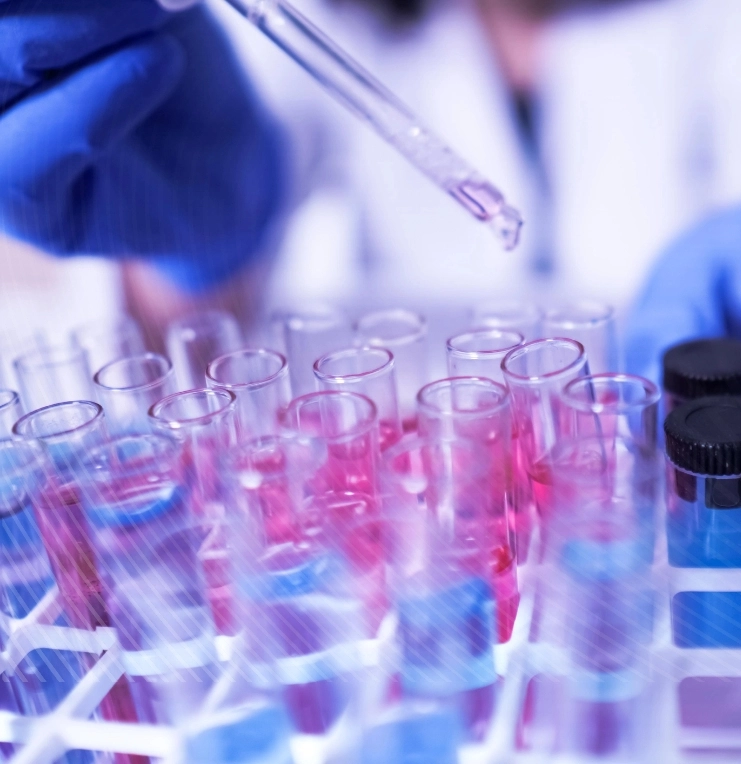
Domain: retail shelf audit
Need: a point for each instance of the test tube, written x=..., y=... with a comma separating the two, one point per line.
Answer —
x=599, y=588
x=127, y=388
x=204, y=421
x=309, y=334
x=701, y=368
x=60, y=435
x=44, y=677
x=346, y=423
x=477, y=409
x=194, y=341
x=259, y=380
x=480, y=353
x=137, y=498
x=612, y=447
x=404, y=333
x=536, y=373
x=53, y=375
x=10, y=412
x=294, y=577
x=509, y=315
x=106, y=341
x=436, y=499
x=703, y=522
x=370, y=372
x=11, y=347
x=590, y=323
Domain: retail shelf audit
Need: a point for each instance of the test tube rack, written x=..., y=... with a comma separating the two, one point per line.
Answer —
x=44, y=739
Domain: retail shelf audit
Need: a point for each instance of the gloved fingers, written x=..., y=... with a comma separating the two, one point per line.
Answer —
x=687, y=294
x=50, y=141
x=39, y=37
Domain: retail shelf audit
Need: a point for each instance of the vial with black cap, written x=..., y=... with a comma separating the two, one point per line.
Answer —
x=701, y=368
x=703, y=446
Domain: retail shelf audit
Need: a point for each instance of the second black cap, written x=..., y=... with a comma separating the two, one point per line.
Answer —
x=704, y=436
x=703, y=367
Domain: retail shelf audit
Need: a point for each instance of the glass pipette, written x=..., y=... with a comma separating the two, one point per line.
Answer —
x=359, y=91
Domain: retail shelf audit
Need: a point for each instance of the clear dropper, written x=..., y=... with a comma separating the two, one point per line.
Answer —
x=360, y=92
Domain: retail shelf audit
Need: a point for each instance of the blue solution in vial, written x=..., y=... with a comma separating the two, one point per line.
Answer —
x=252, y=734
x=703, y=445
x=305, y=623
x=44, y=677
x=146, y=544
x=447, y=639
x=610, y=624
x=418, y=733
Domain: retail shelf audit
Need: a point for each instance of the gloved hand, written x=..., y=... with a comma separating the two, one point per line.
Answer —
x=126, y=130
x=693, y=291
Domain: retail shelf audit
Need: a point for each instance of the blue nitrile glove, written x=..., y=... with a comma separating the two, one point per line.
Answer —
x=126, y=130
x=693, y=291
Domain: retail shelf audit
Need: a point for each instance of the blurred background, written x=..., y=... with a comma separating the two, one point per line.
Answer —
x=612, y=125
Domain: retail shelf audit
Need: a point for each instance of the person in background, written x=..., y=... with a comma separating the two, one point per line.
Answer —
x=132, y=133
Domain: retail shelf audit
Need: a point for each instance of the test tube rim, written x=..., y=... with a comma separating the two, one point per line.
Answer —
x=436, y=412
x=100, y=328
x=325, y=317
x=417, y=333
x=8, y=398
x=200, y=319
x=365, y=425
x=205, y=419
x=473, y=355
x=215, y=384
x=385, y=367
x=652, y=394
x=503, y=304
x=149, y=356
x=50, y=355
x=607, y=315
x=34, y=415
x=547, y=376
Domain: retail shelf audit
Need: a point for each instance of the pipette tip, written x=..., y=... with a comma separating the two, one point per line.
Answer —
x=507, y=224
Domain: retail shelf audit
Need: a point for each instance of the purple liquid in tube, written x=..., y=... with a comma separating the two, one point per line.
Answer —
x=146, y=540
x=66, y=536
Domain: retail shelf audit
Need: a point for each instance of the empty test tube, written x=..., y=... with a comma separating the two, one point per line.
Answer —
x=205, y=422
x=106, y=341
x=404, y=333
x=370, y=372
x=10, y=412
x=136, y=491
x=54, y=375
x=477, y=410
x=259, y=380
x=535, y=374
x=509, y=315
x=590, y=323
x=436, y=500
x=309, y=334
x=479, y=353
x=127, y=388
x=194, y=341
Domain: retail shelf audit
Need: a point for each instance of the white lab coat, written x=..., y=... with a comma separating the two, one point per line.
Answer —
x=639, y=126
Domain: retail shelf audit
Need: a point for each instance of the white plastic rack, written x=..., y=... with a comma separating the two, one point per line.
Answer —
x=668, y=740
